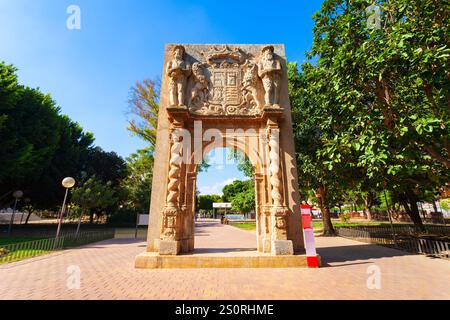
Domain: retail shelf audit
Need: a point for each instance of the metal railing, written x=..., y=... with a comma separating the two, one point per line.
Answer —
x=25, y=250
x=402, y=229
x=438, y=249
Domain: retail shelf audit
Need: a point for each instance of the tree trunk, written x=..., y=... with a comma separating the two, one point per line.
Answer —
x=28, y=217
x=435, y=208
x=409, y=202
x=91, y=217
x=368, y=207
x=321, y=194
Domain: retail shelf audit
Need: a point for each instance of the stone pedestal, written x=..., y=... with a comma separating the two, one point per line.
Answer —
x=151, y=260
x=282, y=247
x=267, y=245
x=169, y=247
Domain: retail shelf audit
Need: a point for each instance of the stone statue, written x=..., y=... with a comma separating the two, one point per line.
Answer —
x=200, y=89
x=178, y=71
x=249, y=84
x=269, y=70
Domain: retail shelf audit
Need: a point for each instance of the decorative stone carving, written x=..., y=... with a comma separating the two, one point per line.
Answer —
x=171, y=211
x=269, y=70
x=178, y=71
x=222, y=85
x=175, y=168
x=279, y=215
x=281, y=222
x=250, y=88
x=226, y=86
x=274, y=166
x=170, y=223
x=216, y=55
x=200, y=90
x=279, y=211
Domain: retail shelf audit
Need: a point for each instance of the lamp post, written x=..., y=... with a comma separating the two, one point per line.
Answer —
x=66, y=183
x=17, y=195
x=80, y=218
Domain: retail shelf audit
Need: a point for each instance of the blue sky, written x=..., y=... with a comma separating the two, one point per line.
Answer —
x=89, y=72
x=222, y=171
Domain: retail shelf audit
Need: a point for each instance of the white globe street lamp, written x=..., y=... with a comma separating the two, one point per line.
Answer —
x=17, y=195
x=67, y=183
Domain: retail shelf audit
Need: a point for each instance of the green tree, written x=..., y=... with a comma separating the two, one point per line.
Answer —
x=205, y=202
x=144, y=108
x=384, y=93
x=107, y=166
x=69, y=159
x=241, y=194
x=244, y=202
x=9, y=92
x=309, y=130
x=29, y=138
x=94, y=196
x=243, y=162
x=39, y=146
x=138, y=182
x=232, y=189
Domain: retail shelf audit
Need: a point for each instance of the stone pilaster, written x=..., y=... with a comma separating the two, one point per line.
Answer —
x=171, y=229
x=280, y=245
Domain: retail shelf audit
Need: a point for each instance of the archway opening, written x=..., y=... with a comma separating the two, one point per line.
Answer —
x=226, y=208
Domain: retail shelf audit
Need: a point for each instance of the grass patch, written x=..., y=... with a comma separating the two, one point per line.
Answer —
x=245, y=226
x=318, y=224
x=7, y=241
x=19, y=255
x=17, y=249
x=125, y=233
x=339, y=224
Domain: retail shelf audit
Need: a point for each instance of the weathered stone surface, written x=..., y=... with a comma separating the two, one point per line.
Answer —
x=282, y=247
x=150, y=260
x=169, y=247
x=224, y=96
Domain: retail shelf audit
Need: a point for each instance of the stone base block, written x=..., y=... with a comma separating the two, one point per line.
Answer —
x=155, y=246
x=282, y=247
x=150, y=260
x=266, y=245
x=169, y=247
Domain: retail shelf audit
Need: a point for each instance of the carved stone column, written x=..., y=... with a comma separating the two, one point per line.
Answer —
x=170, y=233
x=280, y=245
x=171, y=229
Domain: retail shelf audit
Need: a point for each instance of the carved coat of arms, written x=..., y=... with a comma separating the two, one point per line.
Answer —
x=225, y=83
x=224, y=91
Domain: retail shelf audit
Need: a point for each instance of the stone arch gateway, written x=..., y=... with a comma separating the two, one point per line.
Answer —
x=224, y=96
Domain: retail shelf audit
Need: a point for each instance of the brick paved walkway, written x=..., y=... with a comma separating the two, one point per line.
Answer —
x=107, y=272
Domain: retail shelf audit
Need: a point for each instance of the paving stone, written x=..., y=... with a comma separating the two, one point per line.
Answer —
x=107, y=271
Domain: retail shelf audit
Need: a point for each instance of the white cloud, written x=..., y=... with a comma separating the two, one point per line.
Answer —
x=215, y=188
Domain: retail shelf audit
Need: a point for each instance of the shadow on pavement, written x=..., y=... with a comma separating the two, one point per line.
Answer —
x=357, y=253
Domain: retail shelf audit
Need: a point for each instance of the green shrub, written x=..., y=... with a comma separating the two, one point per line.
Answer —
x=3, y=252
x=345, y=217
x=123, y=217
